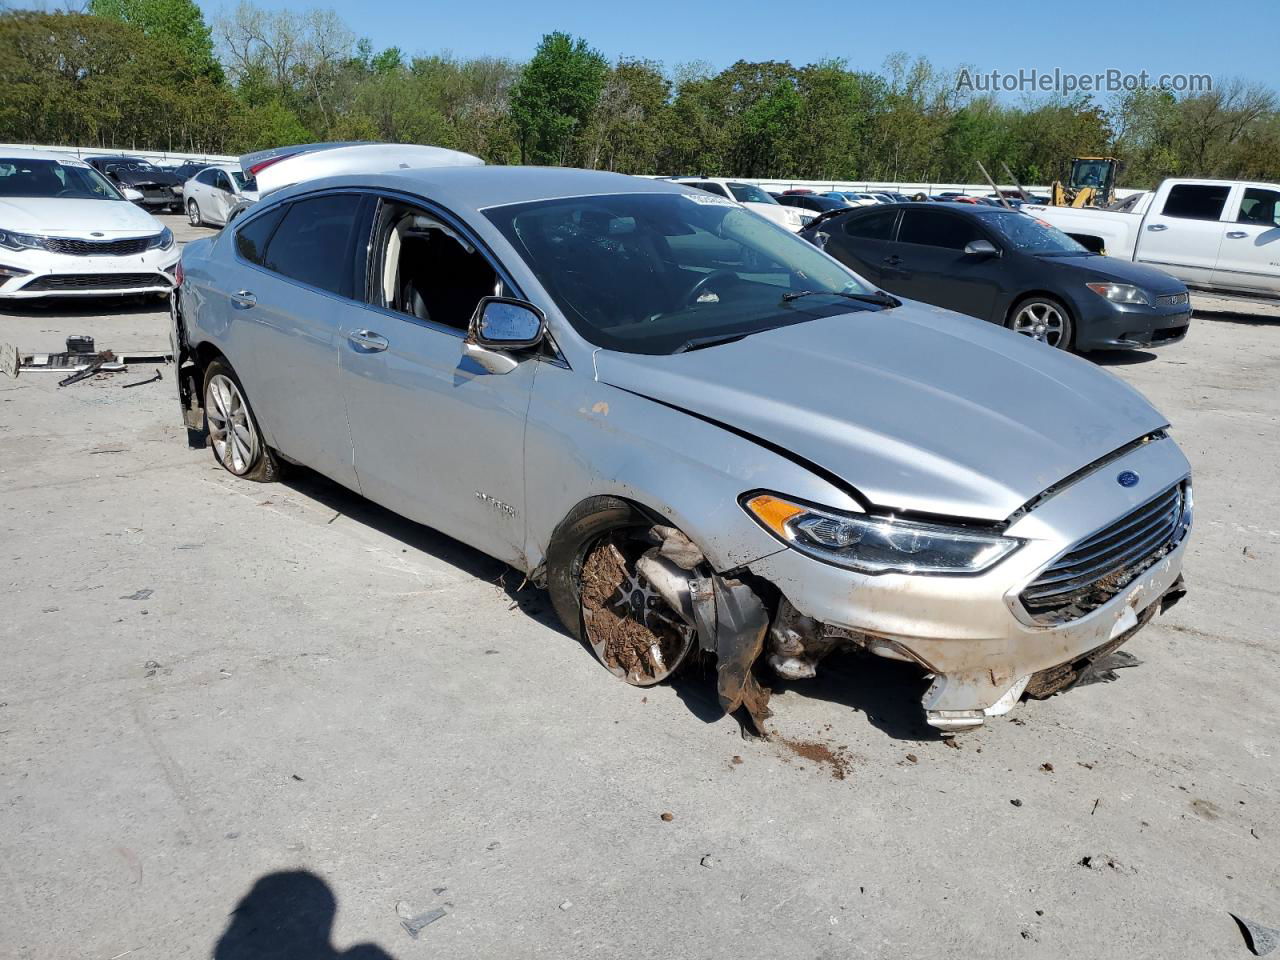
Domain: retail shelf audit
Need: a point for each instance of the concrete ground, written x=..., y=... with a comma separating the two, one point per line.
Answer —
x=250, y=721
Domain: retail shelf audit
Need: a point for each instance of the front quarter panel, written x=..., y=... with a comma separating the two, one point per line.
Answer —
x=585, y=438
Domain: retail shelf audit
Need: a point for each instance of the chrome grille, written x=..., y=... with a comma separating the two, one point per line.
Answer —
x=1100, y=566
x=1172, y=300
x=91, y=248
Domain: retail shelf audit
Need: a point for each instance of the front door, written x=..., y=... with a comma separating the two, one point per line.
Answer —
x=1249, y=258
x=437, y=437
x=1183, y=237
x=929, y=263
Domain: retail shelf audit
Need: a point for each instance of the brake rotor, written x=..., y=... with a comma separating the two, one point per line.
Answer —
x=634, y=632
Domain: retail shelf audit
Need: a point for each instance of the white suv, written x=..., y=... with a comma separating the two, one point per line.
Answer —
x=753, y=198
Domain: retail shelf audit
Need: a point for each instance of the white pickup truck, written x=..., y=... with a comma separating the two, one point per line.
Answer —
x=1215, y=235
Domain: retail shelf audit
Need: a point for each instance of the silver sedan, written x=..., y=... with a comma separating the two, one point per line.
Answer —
x=696, y=430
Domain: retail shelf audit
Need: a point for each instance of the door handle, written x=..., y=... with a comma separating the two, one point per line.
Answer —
x=368, y=341
x=893, y=261
x=243, y=299
x=1236, y=234
x=1158, y=226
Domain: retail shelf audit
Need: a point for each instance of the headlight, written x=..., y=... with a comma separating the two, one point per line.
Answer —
x=20, y=241
x=879, y=544
x=1121, y=293
x=162, y=240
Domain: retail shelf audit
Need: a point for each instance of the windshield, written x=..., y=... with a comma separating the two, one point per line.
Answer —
x=1031, y=235
x=650, y=272
x=747, y=193
x=243, y=181
x=62, y=179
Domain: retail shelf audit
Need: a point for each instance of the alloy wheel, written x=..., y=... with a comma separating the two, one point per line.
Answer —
x=1040, y=321
x=234, y=437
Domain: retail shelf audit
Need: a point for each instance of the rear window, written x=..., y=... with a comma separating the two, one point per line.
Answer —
x=1193, y=201
x=875, y=226
x=251, y=239
x=313, y=242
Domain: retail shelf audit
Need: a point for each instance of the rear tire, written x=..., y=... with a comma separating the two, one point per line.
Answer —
x=232, y=430
x=193, y=214
x=1044, y=319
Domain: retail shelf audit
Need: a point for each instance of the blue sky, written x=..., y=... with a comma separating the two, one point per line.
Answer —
x=1174, y=36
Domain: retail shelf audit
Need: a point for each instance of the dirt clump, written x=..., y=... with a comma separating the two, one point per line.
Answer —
x=625, y=643
x=837, y=760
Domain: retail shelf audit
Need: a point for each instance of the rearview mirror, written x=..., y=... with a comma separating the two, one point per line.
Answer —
x=981, y=248
x=503, y=323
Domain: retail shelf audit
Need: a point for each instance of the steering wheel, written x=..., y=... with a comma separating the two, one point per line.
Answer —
x=705, y=281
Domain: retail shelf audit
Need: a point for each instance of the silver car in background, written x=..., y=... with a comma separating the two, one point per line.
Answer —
x=696, y=430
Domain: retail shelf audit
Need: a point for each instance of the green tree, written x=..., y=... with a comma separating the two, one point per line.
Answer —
x=179, y=21
x=554, y=97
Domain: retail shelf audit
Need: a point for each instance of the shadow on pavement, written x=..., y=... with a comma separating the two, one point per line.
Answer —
x=1119, y=358
x=1231, y=316
x=287, y=916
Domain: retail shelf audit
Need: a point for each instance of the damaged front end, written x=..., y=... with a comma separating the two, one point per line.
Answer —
x=650, y=599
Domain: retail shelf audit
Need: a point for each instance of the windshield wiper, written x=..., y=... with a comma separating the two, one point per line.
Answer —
x=697, y=343
x=878, y=298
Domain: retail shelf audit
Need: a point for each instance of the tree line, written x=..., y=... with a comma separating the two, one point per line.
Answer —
x=153, y=74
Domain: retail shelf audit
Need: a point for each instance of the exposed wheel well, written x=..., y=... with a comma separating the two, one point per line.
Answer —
x=1089, y=242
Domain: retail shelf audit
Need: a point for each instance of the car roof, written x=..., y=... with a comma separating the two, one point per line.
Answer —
x=481, y=187
x=25, y=154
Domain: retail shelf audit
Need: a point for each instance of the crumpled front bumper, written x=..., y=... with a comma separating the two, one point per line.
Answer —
x=972, y=633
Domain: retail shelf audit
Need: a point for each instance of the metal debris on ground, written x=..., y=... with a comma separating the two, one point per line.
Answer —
x=139, y=383
x=708, y=861
x=414, y=925
x=9, y=362
x=144, y=594
x=1261, y=940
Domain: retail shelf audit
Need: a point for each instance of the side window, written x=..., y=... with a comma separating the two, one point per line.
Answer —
x=1260, y=207
x=251, y=239
x=875, y=226
x=933, y=228
x=709, y=187
x=206, y=177
x=313, y=242
x=1193, y=201
x=427, y=270
x=220, y=181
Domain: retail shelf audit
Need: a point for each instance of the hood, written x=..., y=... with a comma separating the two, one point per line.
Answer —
x=76, y=218
x=165, y=178
x=917, y=408
x=1099, y=268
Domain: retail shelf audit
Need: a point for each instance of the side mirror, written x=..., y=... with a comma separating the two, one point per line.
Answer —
x=500, y=325
x=503, y=323
x=981, y=248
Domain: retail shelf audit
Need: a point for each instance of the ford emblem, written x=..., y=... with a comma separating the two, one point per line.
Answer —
x=1127, y=479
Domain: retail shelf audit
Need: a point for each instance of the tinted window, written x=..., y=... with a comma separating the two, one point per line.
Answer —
x=1260, y=207
x=206, y=177
x=251, y=239
x=749, y=193
x=1196, y=202
x=934, y=228
x=875, y=226
x=64, y=179
x=222, y=181
x=313, y=242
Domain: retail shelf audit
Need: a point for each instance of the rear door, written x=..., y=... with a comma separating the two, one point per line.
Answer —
x=1183, y=232
x=928, y=262
x=861, y=241
x=1249, y=258
x=289, y=296
x=222, y=195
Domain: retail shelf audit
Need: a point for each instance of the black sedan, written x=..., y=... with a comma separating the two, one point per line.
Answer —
x=1010, y=268
x=159, y=188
